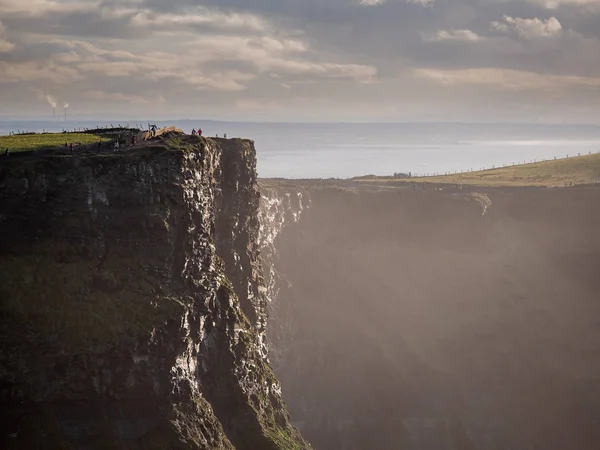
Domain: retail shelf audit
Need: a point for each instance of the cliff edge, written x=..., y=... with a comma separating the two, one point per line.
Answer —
x=132, y=309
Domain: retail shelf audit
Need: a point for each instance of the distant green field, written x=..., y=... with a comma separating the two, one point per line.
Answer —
x=575, y=170
x=29, y=142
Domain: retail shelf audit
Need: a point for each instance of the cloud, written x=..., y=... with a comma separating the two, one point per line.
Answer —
x=372, y=2
x=118, y=97
x=421, y=2
x=33, y=71
x=37, y=8
x=529, y=28
x=457, y=35
x=225, y=53
x=505, y=79
x=225, y=82
x=5, y=46
x=276, y=56
x=381, y=2
x=197, y=17
x=556, y=4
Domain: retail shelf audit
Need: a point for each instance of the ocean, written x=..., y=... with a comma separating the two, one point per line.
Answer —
x=344, y=150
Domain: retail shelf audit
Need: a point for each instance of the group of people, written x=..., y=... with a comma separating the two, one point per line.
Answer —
x=199, y=133
x=117, y=145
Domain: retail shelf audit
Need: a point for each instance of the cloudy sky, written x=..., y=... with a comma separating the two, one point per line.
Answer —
x=323, y=60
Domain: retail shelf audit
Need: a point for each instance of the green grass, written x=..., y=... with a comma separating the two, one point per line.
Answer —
x=554, y=173
x=30, y=142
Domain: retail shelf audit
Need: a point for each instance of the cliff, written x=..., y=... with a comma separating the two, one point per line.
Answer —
x=409, y=319
x=280, y=207
x=133, y=310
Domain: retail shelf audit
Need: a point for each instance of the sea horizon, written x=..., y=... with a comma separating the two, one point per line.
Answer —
x=346, y=150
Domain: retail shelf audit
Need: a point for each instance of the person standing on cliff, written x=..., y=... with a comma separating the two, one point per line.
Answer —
x=193, y=132
x=199, y=131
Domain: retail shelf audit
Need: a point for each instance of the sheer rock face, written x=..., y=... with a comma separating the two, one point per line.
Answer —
x=409, y=319
x=280, y=207
x=132, y=308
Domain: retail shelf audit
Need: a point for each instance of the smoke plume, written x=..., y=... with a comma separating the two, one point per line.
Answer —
x=52, y=100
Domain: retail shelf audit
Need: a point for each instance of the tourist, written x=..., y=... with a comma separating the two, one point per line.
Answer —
x=199, y=132
x=193, y=132
x=116, y=145
x=225, y=135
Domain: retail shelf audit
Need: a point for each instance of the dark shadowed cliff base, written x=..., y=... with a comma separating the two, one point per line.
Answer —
x=132, y=307
x=409, y=319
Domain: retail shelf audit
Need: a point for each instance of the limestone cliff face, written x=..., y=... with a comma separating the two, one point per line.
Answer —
x=409, y=319
x=132, y=307
x=280, y=207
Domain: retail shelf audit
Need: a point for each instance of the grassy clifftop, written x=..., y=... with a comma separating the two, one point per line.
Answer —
x=29, y=142
x=576, y=170
x=46, y=141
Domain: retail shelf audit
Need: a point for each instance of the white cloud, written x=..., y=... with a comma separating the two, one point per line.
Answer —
x=111, y=69
x=456, y=35
x=5, y=46
x=271, y=44
x=528, y=28
x=274, y=56
x=154, y=66
x=356, y=72
x=40, y=8
x=118, y=97
x=32, y=71
x=229, y=81
x=555, y=4
x=381, y=2
x=124, y=51
x=505, y=79
x=197, y=16
x=421, y=2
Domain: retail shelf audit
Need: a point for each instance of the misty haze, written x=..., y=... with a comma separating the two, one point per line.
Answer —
x=327, y=225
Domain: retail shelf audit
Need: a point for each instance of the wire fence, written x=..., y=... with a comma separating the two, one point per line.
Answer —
x=482, y=169
x=98, y=129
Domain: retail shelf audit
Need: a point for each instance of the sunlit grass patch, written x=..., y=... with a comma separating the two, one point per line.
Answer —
x=44, y=141
x=574, y=170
